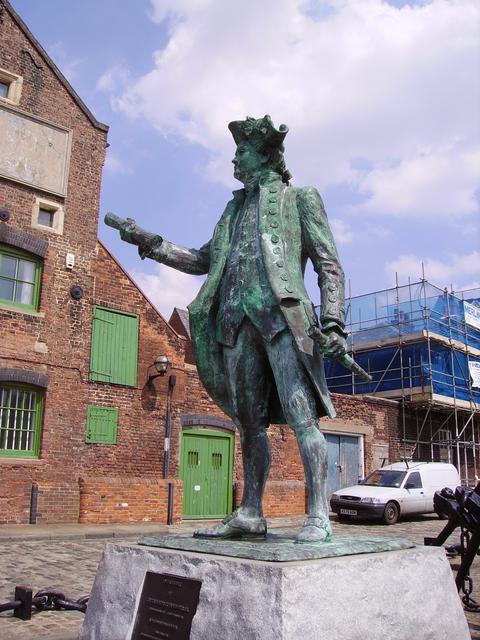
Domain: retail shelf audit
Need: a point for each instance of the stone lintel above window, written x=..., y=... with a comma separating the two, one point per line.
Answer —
x=24, y=376
x=21, y=240
x=206, y=420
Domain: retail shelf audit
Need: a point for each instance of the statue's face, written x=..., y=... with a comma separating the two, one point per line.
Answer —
x=247, y=161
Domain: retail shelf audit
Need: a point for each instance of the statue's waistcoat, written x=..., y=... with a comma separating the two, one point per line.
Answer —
x=245, y=290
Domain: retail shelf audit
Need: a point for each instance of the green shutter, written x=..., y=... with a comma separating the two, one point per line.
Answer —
x=101, y=425
x=114, y=347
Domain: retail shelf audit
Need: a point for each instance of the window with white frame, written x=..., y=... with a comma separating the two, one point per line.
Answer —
x=445, y=441
x=47, y=216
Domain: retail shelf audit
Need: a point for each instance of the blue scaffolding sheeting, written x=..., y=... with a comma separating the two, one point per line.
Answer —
x=412, y=339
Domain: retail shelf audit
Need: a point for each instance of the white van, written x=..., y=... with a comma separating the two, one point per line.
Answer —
x=394, y=490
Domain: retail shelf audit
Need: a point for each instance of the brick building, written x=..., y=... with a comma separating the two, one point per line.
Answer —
x=86, y=434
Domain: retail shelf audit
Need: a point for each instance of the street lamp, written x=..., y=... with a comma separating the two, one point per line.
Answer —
x=161, y=364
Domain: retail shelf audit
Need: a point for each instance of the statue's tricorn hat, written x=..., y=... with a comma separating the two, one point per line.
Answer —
x=261, y=133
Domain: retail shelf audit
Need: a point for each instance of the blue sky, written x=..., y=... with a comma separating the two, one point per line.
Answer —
x=382, y=100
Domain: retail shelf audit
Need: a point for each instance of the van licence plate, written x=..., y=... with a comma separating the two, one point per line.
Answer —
x=348, y=512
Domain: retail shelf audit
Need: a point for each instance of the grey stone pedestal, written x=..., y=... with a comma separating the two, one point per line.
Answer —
x=386, y=595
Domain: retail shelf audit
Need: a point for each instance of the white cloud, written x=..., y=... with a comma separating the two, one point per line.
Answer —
x=472, y=230
x=114, y=164
x=168, y=288
x=436, y=183
x=114, y=78
x=377, y=232
x=68, y=66
x=398, y=87
x=342, y=233
x=457, y=270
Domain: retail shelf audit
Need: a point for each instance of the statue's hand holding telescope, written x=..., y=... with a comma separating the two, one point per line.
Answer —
x=132, y=233
x=334, y=346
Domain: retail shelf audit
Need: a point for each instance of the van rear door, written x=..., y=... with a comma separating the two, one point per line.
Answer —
x=436, y=478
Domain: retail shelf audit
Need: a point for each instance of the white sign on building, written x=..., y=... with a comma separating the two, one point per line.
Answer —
x=474, y=369
x=472, y=314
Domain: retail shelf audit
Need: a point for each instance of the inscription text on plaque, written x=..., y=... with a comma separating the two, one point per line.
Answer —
x=166, y=608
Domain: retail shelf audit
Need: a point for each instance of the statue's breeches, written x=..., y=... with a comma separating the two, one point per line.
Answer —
x=255, y=368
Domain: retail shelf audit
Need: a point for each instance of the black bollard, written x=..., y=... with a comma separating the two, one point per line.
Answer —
x=24, y=610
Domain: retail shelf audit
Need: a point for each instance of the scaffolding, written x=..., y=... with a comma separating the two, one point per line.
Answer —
x=421, y=345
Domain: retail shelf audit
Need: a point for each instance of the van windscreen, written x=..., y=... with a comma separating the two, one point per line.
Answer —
x=385, y=478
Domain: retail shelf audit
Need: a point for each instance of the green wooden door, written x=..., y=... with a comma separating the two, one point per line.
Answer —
x=206, y=471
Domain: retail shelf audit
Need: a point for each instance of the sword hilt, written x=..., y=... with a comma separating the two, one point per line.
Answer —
x=347, y=361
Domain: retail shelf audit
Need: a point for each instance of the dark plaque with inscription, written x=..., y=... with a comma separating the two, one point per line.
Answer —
x=167, y=606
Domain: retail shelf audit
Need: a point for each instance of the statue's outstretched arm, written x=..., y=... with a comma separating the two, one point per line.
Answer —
x=150, y=245
x=195, y=261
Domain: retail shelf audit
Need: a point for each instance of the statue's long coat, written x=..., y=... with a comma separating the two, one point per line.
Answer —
x=293, y=227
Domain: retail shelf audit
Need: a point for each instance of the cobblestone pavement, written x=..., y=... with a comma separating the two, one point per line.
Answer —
x=69, y=565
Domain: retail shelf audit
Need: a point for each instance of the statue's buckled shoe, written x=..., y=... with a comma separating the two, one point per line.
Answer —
x=235, y=526
x=315, y=530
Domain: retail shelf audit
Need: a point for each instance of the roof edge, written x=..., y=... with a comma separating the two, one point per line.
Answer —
x=36, y=44
x=135, y=284
x=184, y=317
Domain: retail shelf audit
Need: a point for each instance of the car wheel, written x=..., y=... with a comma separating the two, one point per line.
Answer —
x=391, y=513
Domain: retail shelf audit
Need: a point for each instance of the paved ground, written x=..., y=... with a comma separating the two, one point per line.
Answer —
x=66, y=558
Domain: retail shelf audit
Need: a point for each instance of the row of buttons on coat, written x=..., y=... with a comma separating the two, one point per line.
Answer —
x=273, y=211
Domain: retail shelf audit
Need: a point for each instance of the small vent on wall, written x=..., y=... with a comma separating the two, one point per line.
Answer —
x=76, y=292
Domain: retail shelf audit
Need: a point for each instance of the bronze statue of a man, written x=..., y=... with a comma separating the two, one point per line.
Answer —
x=252, y=321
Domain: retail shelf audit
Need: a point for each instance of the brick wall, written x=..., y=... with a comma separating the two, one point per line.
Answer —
x=15, y=495
x=55, y=342
x=142, y=410
x=138, y=452
x=57, y=502
x=123, y=499
x=282, y=497
x=376, y=418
